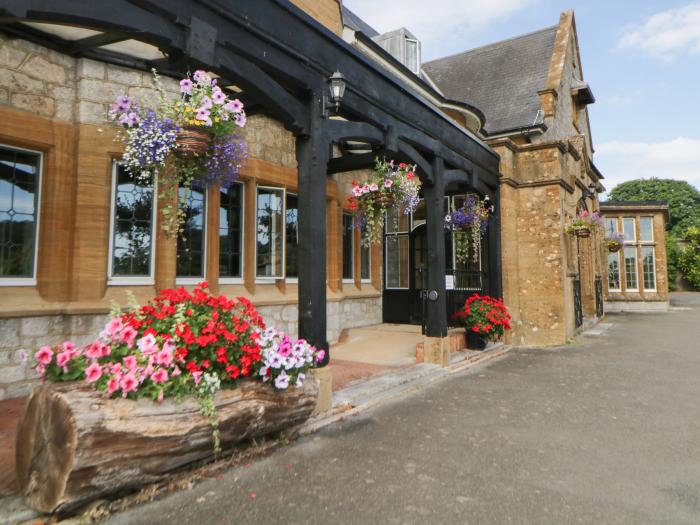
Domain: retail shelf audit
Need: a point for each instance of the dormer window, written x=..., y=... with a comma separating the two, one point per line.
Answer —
x=403, y=46
x=412, y=55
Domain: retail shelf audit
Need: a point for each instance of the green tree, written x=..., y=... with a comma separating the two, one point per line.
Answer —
x=689, y=258
x=683, y=199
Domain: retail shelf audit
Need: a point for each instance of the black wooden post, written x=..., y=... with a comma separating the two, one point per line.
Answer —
x=495, y=263
x=312, y=158
x=436, y=322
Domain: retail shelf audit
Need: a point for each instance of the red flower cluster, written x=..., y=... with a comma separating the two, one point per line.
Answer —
x=485, y=315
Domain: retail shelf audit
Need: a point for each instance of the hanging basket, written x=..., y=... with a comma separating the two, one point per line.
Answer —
x=584, y=233
x=384, y=200
x=614, y=246
x=192, y=142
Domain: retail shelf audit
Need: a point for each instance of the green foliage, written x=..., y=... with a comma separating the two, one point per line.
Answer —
x=683, y=199
x=689, y=258
x=673, y=252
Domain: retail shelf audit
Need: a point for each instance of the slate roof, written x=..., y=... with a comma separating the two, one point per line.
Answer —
x=355, y=23
x=500, y=79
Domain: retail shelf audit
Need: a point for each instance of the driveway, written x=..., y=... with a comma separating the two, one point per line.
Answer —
x=605, y=430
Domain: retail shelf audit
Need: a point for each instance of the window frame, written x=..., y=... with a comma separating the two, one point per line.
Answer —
x=652, y=240
x=290, y=280
x=653, y=266
x=418, y=53
x=397, y=234
x=365, y=280
x=272, y=278
x=236, y=280
x=205, y=245
x=29, y=281
x=348, y=280
x=117, y=280
x=635, y=266
x=633, y=240
x=619, y=272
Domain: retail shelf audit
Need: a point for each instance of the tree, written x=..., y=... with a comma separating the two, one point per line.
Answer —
x=683, y=199
x=689, y=258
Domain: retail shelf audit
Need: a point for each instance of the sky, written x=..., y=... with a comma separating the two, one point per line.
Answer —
x=641, y=59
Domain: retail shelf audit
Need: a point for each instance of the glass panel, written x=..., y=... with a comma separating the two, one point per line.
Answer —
x=646, y=229
x=365, y=262
x=133, y=227
x=419, y=216
x=403, y=261
x=396, y=221
x=19, y=182
x=412, y=55
x=230, y=222
x=648, y=270
x=348, y=253
x=628, y=229
x=190, y=245
x=270, y=232
x=631, y=268
x=613, y=271
x=610, y=226
x=292, y=236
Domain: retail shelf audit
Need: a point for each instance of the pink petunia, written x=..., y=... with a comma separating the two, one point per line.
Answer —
x=235, y=106
x=93, y=372
x=112, y=385
x=159, y=376
x=320, y=356
x=373, y=187
x=197, y=377
x=357, y=191
x=63, y=358
x=218, y=96
x=130, y=362
x=128, y=383
x=113, y=326
x=176, y=372
x=388, y=183
x=164, y=357
x=128, y=335
x=160, y=396
x=69, y=347
x=44, y=355
x=147, y=344
x=94, y=351
x=240, y=120
x=202, y=114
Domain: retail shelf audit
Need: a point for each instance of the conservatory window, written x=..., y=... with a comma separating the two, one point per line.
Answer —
x=631, y=268
x=628, y=230
x=648, y=268
x=270, y=233
x=365, y=263
x=20, y=177
x=191, y=243
x=133, y=220
x=231, y=233
x=348, y=248
x=646, y=229
x=614, y=272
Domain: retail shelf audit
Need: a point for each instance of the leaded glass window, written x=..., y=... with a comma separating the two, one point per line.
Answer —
x=191, y=242
x=19, y=204
x=230, y=232
x=648, y=268
x=292, y=236
x=270, y=232
x=631, y=268
x=132, y=226
x=614, y=271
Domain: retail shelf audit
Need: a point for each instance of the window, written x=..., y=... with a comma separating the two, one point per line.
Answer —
x=191, y=243
x=646, y=229
x=365, y=263
x=348, y=245
x=270, y=233
x=614, y=272
x=396, y=229
x=648, y=268
x=413, y=55
x=610, y=226
x=631, y=268
x=628, y=230
x=20, y=177
x=132, y=228
x=230, y=232
x=292, y=236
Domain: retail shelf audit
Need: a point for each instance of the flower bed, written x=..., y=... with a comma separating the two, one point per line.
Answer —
x=180, y=349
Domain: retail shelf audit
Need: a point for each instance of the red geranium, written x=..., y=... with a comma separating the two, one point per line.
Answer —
x=485, y=315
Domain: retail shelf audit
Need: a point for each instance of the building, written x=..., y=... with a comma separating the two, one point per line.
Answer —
x=77, y=233
x=637, y=276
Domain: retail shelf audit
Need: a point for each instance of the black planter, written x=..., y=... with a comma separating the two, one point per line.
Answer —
x=475, y=341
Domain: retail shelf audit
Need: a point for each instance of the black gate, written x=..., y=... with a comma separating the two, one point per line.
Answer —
x=578, y=308
x=599, y=310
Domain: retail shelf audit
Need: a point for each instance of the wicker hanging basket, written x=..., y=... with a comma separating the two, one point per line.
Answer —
x=614, y=246
x=583, y=233
x=192, y=142
x=384, y=200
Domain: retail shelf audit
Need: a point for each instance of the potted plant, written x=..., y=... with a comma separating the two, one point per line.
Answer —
x=469, y=223
x=391, y=186
x=584, y=224
x=192, y=139
x=613, y=242
x=485, y=319
x=161, y=384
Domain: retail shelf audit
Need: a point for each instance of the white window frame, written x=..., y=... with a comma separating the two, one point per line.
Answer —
x=619, y=272
x=274, y=278
x=615, y=221
x=350, y=280
x=365, y=280
x=653, y=265
x=29, y=281
x=651, y=218
x=396, y=234
x=118, y=280
x=634, y=230
x=237, y=280
x=418, y=53
x=636, y=267
x=205, y=255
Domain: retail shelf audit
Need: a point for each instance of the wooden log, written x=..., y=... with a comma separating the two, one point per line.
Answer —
x=75, y=445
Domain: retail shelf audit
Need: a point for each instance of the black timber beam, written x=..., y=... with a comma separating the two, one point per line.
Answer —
x=77, y=47
x=351, y=162
x=340, y=130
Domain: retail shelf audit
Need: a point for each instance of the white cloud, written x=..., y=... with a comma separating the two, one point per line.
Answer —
x=620, y=161
x=437, y=20
x=666, y=34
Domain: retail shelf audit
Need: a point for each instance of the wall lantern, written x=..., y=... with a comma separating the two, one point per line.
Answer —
x=591, y=191
x=336, y=83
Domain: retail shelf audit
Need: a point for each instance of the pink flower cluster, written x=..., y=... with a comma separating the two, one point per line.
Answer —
x=61, y=357
x=208, y=102
x=285, y=361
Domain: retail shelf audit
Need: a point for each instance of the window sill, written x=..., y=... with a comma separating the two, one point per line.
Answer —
x=130, y=281
x=12, y=281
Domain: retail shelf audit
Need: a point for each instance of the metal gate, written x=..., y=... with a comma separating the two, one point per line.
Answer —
x=578, y=308
x=599, y=311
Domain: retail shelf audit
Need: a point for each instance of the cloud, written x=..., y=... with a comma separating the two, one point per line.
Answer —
x=620, y=161
x=666, y=34
x=437, y=20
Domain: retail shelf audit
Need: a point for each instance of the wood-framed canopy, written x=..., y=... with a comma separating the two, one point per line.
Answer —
x=280, y=58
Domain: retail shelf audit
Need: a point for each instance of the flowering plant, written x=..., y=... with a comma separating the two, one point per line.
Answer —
x=180, y=344
x=469, y=222
x=585, y=222
x=153, y=137
x=485, y=315
x=613, y=241
x=389, y=186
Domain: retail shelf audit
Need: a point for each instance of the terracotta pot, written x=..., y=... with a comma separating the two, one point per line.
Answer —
x=192, y=142
x=475, y=341
x=583, y=233
x=614, y=246
x=385, y=200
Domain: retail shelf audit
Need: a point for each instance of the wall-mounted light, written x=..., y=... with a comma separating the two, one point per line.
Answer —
x=591, y=191
x=336, y=84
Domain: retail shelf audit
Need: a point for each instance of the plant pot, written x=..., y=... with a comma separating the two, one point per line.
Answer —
x=584, y=233
x=475, y=341
x=614, y=246
x=385, y=200
x=192, y=142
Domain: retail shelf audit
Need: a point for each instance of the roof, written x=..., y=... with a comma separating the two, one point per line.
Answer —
x=501, y=79
x=355, y=23
x=643, y=206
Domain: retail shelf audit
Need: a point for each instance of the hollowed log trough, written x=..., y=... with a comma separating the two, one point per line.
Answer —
x=75, y=445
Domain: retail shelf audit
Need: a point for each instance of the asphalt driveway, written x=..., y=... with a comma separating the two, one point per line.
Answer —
x=606, y=430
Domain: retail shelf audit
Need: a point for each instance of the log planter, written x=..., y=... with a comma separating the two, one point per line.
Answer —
x=75, y=445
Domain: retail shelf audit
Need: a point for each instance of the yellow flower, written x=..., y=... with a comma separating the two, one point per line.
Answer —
x=217, y=119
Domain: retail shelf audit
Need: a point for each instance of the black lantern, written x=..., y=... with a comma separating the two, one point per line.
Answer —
x=336, y=84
